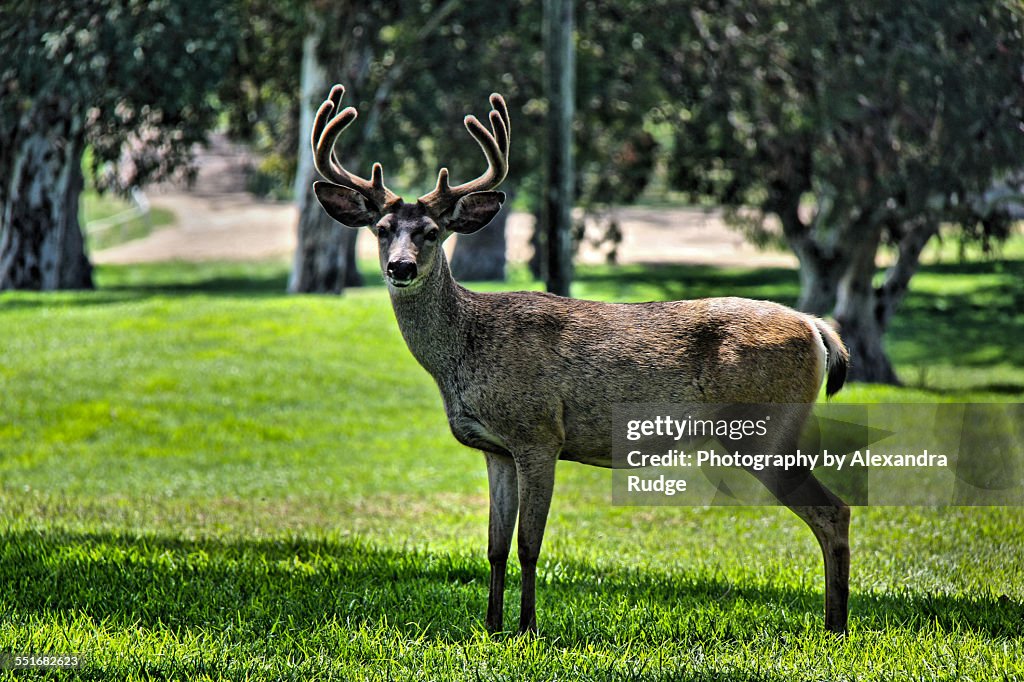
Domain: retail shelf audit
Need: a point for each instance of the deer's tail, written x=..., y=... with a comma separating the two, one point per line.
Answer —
x=838, y=356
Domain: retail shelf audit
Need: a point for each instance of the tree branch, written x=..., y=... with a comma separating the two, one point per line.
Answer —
x=398, y=70
x=897, y=278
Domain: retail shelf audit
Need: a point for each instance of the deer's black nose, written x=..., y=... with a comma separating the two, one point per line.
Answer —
x=402, y=270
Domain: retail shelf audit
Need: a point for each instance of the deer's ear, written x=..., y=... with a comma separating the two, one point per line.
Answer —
x=474, y=211
x=345, y=205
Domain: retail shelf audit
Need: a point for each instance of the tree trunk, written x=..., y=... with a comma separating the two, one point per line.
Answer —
x=481, y=256
x=862, y=334
x=819, y=281
x=559, y=76
x=914, y=236
x=819, y=267
x=863, y=311
x=857, y=312
x=322, y=255
x=312, y=91
x=41, y=242
x=353, y=278
x=325, y=253
x=538, y=262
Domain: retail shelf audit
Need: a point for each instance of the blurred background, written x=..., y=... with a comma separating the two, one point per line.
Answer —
x=848, y=139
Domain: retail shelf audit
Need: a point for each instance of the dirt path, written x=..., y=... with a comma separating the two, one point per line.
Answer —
x=215, y=220
x=218, y=220
x=663, y=235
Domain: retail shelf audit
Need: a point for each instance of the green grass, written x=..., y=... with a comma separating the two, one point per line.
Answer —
x=95, y=207
x=203, y=478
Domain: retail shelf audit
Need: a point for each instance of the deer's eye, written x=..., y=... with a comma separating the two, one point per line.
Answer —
x=431, y=235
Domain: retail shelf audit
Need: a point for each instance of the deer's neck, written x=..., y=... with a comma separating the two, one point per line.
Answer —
x=434, y=318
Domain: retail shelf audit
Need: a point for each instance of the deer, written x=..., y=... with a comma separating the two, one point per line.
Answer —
x=530, y=378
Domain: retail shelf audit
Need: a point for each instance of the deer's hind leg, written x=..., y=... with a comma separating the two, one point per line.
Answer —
x=829, y=519
x=823, y=511
x=831, y=526
x=536, y=473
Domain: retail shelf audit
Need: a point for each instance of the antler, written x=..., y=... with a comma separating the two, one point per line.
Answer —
x=326, y=131
x=494, y=144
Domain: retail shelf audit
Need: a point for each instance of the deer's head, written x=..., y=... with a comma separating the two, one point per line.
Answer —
x=409, y=236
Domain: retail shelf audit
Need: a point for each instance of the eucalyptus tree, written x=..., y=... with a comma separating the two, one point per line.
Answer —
x=852, y=126
x=128, y=80
x=378, y=49
x=412, y=67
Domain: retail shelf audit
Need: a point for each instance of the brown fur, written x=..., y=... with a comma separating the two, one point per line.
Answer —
x=538, y=357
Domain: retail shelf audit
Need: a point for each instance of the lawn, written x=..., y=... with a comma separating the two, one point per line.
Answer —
x=202, y=478
x=98, y=210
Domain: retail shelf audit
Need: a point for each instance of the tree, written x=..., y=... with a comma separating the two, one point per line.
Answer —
x=127, y=79
x=325, y=254
x=616, y=86
x=481, y=256
x=412, y=95
x=619, y=94
x=559, y=179
x=488, y=48
x=854, y=126
x=386, y=55
x=371, y=47
x=616, y=90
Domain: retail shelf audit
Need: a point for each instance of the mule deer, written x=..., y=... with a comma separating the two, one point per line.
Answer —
x=529, y=378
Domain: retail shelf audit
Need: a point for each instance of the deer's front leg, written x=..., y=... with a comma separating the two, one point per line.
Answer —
x=536, y=473
x=504, y=502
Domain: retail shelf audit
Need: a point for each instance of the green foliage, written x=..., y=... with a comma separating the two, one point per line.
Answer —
x=224, y=482
x=273, y=177
x=884, y=112
x=414, y=70
x=135, y=77
x=259, y=94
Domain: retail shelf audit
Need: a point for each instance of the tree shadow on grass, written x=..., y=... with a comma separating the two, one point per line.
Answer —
x=241, y=286
x=125, y=284
x=683, y=281
x=10, y=302
x=976, y=329
x=250, y=587
x=976, y=326
x=217, y=285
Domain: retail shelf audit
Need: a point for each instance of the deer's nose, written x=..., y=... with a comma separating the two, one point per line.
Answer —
x=402, y=270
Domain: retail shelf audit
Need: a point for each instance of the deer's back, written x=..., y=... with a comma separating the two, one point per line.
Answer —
x=544, y=362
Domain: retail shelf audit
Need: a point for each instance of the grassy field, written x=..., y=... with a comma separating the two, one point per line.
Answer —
x=100, y=207
x=202, y=478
